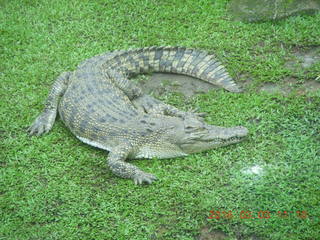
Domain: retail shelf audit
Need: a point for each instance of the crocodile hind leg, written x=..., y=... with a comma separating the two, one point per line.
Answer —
x=45, y=120
x=117, y=164
x=124, y=84
x=143, y=102
x=151, y=105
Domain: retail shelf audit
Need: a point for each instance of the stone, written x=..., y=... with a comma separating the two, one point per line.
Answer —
x=264, y=10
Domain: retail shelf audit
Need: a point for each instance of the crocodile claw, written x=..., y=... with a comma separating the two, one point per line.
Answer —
x=200, y=114
x=193, y=113
x=142, y=177
x=42, y=124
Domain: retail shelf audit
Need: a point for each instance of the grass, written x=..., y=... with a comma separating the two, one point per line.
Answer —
x=56, y=187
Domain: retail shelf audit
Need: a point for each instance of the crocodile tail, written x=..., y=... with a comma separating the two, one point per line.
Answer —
x=180, y=60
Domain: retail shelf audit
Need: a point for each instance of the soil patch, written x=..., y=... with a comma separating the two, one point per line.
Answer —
x=304, y=58
x=159, y=84
x=206, y=234
x=290, y=85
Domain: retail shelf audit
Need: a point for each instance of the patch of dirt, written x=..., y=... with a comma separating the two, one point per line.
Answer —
x=158, y=84
x=304, y=58
x=272, y=88
x=206, y=234
x=244, y=80
x=289, y=85
x=311, y=86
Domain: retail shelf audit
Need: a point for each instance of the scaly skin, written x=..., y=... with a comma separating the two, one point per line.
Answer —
x=103, y=108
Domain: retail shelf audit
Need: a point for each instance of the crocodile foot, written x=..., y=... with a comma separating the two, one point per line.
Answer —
x=42, y=124
x=141, y=177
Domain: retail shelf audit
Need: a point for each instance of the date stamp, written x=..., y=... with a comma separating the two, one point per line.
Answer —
x=245, y=214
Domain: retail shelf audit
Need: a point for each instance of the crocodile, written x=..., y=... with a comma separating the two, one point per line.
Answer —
x=102, y=107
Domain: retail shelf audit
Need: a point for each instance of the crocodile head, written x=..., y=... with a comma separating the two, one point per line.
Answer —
x=197, y=136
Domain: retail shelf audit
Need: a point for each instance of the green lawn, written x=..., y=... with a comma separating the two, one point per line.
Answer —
x=55, y=187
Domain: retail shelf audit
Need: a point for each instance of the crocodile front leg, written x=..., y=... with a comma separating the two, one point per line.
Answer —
x=45, y=120
x=117, y=164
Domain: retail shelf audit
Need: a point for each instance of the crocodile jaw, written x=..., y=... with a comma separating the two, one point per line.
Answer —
x=213, y=137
